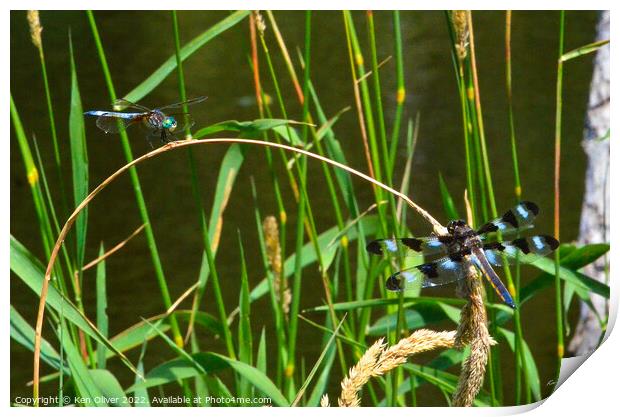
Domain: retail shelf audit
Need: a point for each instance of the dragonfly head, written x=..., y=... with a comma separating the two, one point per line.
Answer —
x=456, y=226
x=169, y=123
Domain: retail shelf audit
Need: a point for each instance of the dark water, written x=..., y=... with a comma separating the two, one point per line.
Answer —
x=137, y=43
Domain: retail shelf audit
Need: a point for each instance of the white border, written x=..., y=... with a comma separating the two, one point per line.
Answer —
x=592, y=389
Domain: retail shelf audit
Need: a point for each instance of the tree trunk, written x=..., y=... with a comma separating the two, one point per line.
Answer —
x=594, y=226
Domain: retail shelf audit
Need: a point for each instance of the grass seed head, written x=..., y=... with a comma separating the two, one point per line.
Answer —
x=35, y=27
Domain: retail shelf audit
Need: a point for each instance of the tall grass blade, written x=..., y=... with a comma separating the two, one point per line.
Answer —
x=31, y=272
x=210, y=363
x=529, y=364
x=157, y=77
x=261, y=354
x=446, y=198
x=111, y=391
x=245, y=331
x=32, y=175
x=556, y=188
x=102, y=306
x=82, y=379
x=79, y=160
x=583, y=50
x=23, y=333
x=35, y=31
x=315, y=368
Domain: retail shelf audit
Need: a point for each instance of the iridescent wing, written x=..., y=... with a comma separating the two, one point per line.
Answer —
x=430, y=247
x=431, y=274
x=184, y=103
x=114, y=122
x=121, y=104
x=516, y=219
x=525, y=249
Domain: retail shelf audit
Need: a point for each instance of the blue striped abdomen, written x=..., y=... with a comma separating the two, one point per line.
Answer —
x=116, y=114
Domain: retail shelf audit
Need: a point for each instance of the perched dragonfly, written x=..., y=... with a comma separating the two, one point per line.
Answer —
x=447, y=258
x=158, y=124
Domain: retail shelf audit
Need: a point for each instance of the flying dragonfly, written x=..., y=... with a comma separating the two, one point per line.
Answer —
x=158, y=124
x=447, y=258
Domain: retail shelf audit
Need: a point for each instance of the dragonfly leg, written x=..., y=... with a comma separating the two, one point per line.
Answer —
x=164, y=138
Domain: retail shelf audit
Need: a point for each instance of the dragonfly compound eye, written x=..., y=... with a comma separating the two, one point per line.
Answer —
x=169, y=123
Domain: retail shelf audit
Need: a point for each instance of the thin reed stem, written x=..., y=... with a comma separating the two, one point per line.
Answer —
x=556, y=192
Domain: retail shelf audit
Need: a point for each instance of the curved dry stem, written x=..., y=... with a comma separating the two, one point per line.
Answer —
x=378, y=360
x=438, y=228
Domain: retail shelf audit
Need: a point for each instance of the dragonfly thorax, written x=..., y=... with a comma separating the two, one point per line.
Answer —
x=464, y=238
x=159, y=120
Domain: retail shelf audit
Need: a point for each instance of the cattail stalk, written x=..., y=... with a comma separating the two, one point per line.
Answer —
x=272, y=244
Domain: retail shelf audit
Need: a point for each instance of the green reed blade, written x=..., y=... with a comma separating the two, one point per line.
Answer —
x=208, y=363
x=533, y=379
x=261, y=353
x=556, y=180
x=389, y=167
x=276, y=305
x=400, y=88
x=82, y=380
x=30, y=270
x=102, y=306
x=36, y=31
x=32, y=175
x=583, y=50
x=244, y=331
x=79, y=161
x=520, y=359
x=160, y=74
x=111, y=391
x=23, y=333
x=318, y=362
x=446, y=198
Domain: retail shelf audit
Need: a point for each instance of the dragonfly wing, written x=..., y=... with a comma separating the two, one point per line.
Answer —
x=525, y=249
x=114, y=122
x=518, y=218
x=429, y=247
x=121, y=104
x=430, y=274
x=184, y=103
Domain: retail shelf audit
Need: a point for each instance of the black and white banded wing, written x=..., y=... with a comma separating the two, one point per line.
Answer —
x=429, y=247
x=431, y=274
x=525, y=249
x=518, y=218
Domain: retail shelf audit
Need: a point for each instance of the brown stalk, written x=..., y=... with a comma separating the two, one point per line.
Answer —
x=358, y=101
x=168, y=147
x=257, y=86
x=111, y=251
x=287, y=57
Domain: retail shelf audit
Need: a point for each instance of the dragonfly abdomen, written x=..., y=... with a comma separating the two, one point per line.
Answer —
x=115, y=114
